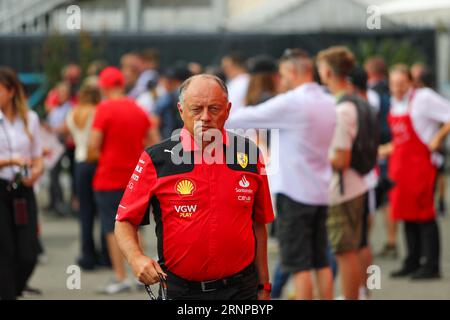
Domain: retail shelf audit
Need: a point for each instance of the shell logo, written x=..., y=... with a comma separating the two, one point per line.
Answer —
x=185, y=187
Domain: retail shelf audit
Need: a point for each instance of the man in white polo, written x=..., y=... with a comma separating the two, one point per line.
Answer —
x=305, y=115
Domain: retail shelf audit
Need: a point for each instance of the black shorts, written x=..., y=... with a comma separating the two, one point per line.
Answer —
x=302, y=235
x=107, y=204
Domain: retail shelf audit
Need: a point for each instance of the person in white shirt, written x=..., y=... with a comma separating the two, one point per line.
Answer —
x=305, y=116
x=347, y=188
x=20, y=167
x=419, y=120
x=234, y=67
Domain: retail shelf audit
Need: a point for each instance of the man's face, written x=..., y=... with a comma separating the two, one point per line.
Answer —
x=287, y=76
x=399, y=84
x=130, y=69
x=416, y=72
x=205, y=107
x=324, y=72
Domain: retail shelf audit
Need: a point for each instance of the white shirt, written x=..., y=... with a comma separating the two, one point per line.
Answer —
x=237, y=91
x=141, y=83
x=428, y=111
x=373, y=97
x=147, y=102
x=344, y=136
x=15, y=143
x=306, y=118
x=80, y=136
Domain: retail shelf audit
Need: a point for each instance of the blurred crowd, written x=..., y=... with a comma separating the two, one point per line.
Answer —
x=98, y=124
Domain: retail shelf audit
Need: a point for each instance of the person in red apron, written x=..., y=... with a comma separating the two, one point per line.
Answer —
x=414, y=174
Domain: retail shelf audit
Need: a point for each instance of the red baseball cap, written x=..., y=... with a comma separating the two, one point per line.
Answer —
x=111, y=77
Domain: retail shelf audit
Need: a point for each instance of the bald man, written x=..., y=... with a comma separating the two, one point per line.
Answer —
x=210, y=200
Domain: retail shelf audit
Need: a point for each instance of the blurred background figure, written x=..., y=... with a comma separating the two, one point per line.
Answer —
x=56, y=125
x=264, y=80
x=417, y=69
x=423, y=77
x=130, y=64
x=376, y=70
x=93, y=71
x=195, y=68
x=79, y=122
x=140, y=67
x=147, y=100
x=119, y=150
x=234, y=68
x=420, y=121
x=20, y=166
x=167, y=113
x=305, y=117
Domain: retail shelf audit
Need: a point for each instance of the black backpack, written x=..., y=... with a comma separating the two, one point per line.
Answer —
x=365, y=146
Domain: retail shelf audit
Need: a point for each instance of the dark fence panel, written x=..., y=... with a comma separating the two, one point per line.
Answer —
x=26, y=53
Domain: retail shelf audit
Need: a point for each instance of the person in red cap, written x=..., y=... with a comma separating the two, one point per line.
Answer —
x=121, y=130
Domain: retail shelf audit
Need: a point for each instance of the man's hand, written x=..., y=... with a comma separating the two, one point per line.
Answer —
x=263, y=295
x=146, y=270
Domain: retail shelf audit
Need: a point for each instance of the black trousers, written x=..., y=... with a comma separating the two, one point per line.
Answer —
x=84, y=174
x=56, y=193
x=18, y=243
x=423, y=245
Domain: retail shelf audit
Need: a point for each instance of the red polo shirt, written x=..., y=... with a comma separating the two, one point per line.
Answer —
x=204, y=213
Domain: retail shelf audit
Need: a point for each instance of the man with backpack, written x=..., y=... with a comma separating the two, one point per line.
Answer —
x=353, y=153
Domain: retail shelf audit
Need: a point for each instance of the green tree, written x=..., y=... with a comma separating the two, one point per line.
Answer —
x=392, y=50
x=55, y=56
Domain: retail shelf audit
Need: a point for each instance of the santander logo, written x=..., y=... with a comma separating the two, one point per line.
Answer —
x=244, y=182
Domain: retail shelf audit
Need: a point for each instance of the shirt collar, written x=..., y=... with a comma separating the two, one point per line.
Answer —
x=189, y=144
x=406, y=98
x=340, y=94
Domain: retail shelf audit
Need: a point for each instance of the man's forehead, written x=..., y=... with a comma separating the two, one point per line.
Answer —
x=204, y=87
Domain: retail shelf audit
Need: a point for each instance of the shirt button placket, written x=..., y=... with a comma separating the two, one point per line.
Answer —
x=213, y=218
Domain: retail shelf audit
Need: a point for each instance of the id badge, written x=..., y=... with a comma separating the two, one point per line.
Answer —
x=20, y=211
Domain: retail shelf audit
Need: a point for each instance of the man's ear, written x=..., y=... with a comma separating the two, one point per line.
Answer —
x=180, y=108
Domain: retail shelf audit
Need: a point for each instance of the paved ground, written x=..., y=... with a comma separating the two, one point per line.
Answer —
x=60, y=238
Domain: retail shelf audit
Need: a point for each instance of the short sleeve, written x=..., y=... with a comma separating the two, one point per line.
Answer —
x=437, y=108
x=346, y=127
x=262, y=208
x=35, y=130
x=135, y=201
x=100, y=118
